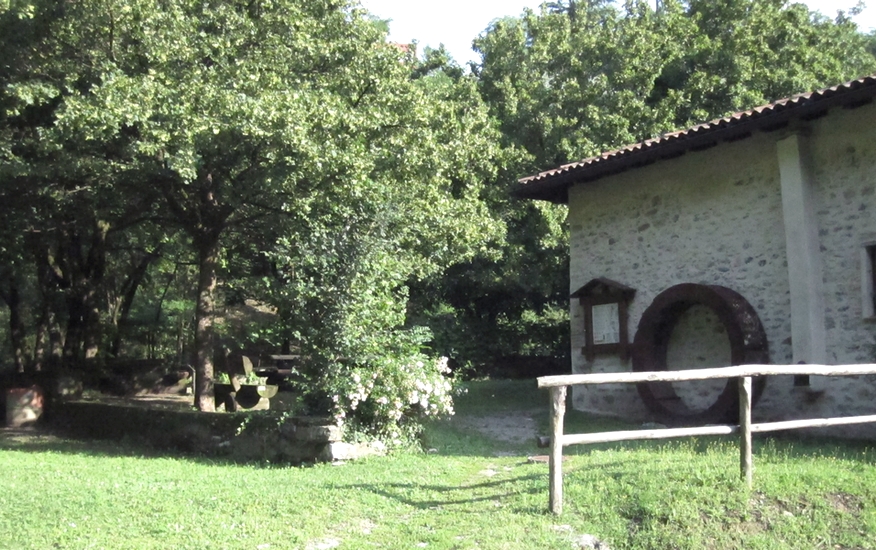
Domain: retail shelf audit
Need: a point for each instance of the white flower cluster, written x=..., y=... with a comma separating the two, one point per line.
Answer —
x=414, y=388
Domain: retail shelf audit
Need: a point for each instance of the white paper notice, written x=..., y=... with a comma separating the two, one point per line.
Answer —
x=606, y=329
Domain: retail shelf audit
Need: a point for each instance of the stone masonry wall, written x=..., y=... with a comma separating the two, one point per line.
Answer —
x=246, y=436
x=715, y=217
x=844, y=169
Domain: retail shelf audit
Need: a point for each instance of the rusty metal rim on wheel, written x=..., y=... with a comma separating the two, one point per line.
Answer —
x=748, y=345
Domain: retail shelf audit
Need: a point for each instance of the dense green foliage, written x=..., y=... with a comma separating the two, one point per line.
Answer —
x=277, y=165
x=282, y=147
x=581, y=77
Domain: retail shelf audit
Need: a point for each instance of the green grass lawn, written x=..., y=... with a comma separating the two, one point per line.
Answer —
x=469, y=492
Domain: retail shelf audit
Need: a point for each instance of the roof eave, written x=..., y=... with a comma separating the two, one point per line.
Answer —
x=553, y=186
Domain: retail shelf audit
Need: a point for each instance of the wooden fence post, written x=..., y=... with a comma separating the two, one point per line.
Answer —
x=745, y=464
x=742, y=373
x=558, y=410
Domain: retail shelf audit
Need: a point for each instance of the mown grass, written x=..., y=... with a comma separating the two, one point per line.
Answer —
x=471, y=492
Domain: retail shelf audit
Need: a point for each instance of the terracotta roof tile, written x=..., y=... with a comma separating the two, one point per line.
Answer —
x=553, y=184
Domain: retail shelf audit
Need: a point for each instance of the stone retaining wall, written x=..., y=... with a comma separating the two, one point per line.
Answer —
x=262, y=436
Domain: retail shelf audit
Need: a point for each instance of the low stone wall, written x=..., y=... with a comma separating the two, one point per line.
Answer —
x=247, y=436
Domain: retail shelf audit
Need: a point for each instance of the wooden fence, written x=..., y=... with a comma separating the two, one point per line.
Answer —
x=558, y=386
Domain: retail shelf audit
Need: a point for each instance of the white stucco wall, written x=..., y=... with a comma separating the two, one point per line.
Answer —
x=716, y=217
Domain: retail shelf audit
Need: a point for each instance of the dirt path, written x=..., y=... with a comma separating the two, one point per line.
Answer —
x=518, y=426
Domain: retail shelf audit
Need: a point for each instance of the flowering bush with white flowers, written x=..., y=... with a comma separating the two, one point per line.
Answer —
x=364, y=369
x=341, y=290
x=387, y=398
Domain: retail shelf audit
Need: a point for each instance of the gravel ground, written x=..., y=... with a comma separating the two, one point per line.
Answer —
x=512, y=427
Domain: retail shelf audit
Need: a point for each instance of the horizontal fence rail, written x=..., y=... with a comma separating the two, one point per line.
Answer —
x=739, y=371
x=558, y=386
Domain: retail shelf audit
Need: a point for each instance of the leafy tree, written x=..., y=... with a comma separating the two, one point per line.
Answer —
x=581, y=77
x=608, y=77
x=290, y=127
x=401, y=214
x=68, y=196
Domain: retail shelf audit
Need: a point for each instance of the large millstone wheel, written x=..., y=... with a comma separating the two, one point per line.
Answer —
x=237, y=396
x=747, y=345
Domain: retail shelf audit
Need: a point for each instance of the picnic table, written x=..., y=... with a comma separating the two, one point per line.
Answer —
x=236, y=395
x=281, y=370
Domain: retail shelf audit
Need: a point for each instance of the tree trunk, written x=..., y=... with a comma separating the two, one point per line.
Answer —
x=129, y=291
x=204, y=219
x=47, y=351
x=11, y=296
x=93, y=270
x=56, y=341
x=91, y=330
x=75, y=328
x=49, y=345
x=82, y=264
x=156, y=323
x=39, y=345
x=208, y=260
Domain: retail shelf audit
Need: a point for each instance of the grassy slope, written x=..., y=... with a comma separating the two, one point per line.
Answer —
x=683, y=494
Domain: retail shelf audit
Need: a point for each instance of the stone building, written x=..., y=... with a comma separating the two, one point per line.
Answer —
x=747, y=239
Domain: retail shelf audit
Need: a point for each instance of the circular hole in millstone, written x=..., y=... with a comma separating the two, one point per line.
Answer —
x=699, y=340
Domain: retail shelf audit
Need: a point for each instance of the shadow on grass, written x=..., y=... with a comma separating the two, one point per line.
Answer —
x=44, y=440
x=505, y=489
x=487, y=491
x=768, y=448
